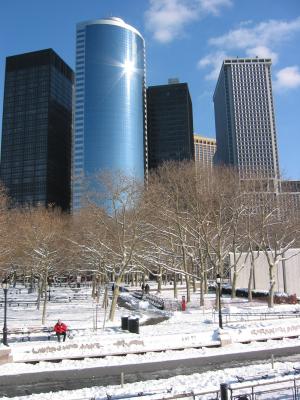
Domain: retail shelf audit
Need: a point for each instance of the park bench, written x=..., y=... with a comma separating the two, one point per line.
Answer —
x=255, y=377
x=12, y=291
x=26, y=332
x=18, y=303
x=79, y=296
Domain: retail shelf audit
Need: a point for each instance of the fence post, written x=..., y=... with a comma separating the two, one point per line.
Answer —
x=224, y=391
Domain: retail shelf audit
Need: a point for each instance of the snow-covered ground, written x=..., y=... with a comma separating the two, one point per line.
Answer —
x=181, y=330
x=195, y=383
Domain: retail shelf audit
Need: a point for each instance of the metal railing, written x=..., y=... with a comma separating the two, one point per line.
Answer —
x=289, y=387
x=241, y=317
x=156, y=301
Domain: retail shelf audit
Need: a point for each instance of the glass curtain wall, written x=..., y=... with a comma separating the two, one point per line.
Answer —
x=110, y=102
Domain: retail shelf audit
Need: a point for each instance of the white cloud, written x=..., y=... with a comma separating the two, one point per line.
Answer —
x=251, y=40
x=287, y=78
x=266, y=34
x=262, y=52
x=213, y=60
x=213, y=6
x=166, y=19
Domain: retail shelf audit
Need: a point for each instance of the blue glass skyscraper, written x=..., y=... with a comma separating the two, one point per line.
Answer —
x=110, y=101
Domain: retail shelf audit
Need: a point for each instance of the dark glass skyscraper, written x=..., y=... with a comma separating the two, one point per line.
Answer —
x=170, y=124
x=110, y=101
x=37, y=128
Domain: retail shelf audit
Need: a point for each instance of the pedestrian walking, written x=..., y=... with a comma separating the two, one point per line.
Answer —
x=61, y=330
x=147, y=288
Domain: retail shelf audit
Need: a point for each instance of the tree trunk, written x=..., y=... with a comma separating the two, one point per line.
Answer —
x=188, y=289
x=194, y=285
x=44, y=305
x=251, y=278
x=187, y=278
x=97, y=287
x=202, y=285
x=105, y=299
x=165, y=278
x=205, y=281
x=201, y=292
x=272, y=286
x=175, y=287
x=94, y=286
x=233, y=286
x=115, y=298
x=194, y=270
x=38, y=300
x=159, y=280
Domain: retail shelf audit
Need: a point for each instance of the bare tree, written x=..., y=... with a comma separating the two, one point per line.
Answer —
x=42, y=235
x=87, y=238
x=118, y=210
x=170, y=221
x=218, y=230
x=8, y=246
x=277, y=232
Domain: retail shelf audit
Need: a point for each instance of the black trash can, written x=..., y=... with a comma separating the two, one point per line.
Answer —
x=224, y=391
x=134, y=325
x=124, y=323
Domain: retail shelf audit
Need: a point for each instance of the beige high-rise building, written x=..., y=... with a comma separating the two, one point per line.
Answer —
x=245, y=118
x=205, y=149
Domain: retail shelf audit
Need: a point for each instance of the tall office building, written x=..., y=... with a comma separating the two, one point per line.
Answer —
x=170, y=123
x=37, y=129
x=205, y=149
x=110, y=101
x=244, y=118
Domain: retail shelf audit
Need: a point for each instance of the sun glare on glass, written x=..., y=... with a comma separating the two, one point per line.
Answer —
x=128, y=67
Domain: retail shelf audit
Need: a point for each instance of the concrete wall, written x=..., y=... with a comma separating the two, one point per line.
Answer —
x=5, y=355
x=287, y=273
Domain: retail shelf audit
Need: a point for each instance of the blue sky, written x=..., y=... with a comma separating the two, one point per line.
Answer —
x=185, y=39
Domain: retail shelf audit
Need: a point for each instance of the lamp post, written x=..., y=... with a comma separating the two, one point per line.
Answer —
x=5, y=286
x=218, y=281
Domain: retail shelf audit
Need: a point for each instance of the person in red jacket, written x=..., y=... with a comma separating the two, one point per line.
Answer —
x=61, y=330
